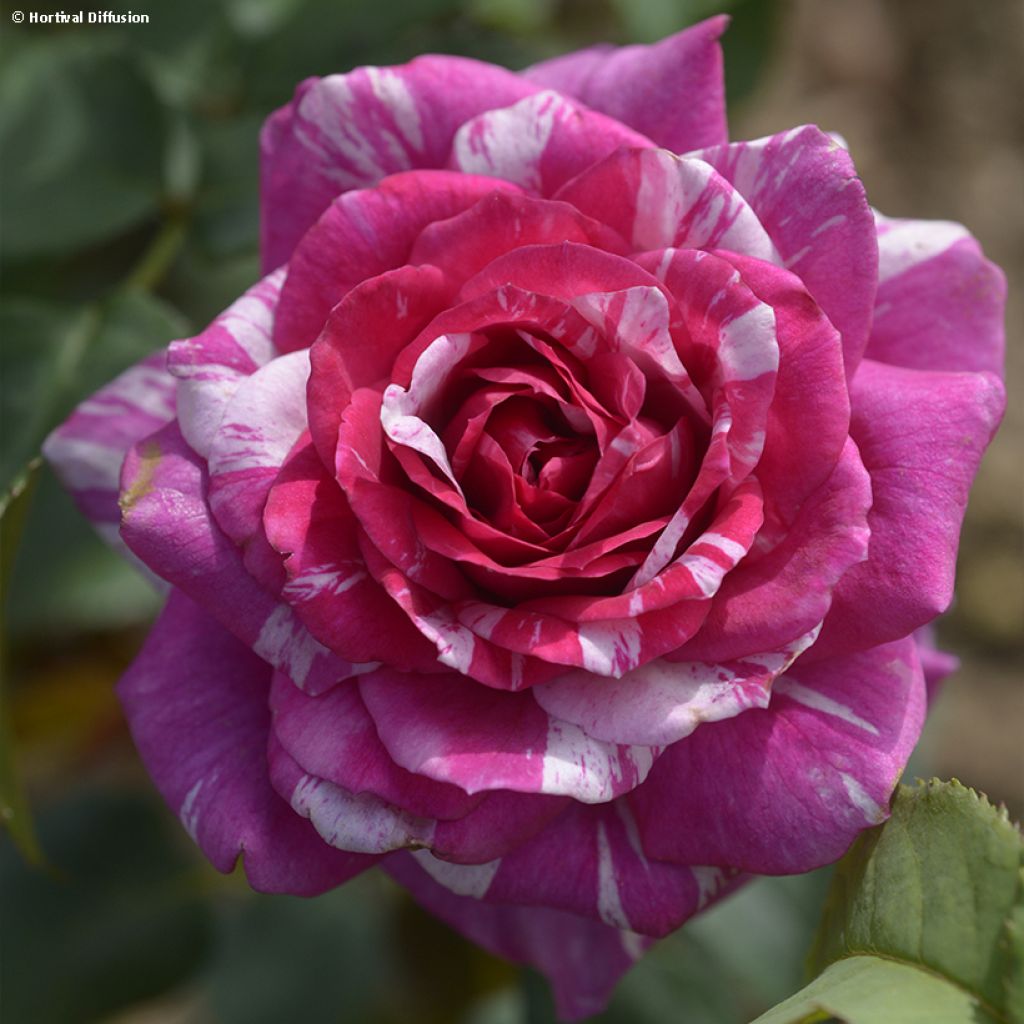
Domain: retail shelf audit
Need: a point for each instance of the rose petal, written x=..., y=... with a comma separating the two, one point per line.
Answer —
x=672, y=91
x=582, y=959
x=168, y=524
x=87, y=450
x=453, y=730
x=196, y=703
x=662, y=702
x=787, y=789
x=350, y=131
x=328, y=585
x=664, y=200
x=363, y=234
x=262, y=420
x=804, y=189
x=539, y=143
x=940, y=303
x=921, y=435
x=210, y=366
x=589, y=861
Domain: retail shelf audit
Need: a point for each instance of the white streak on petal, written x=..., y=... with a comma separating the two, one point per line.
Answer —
x=862, y=801
x=189, y=813
x=471, y=880
x=609, y=901
x=819, y=702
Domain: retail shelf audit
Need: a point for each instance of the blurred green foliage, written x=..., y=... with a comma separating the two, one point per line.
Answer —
x=129, y=204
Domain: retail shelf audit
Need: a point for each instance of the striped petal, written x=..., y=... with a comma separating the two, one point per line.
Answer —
x=262, y=421
x=539, y=143
x=582, y=959
x=349, y=131
x=804, y=189
x=787, y=789
x=189, y=680
x=168, y=525
x=210, y=366
x=664, y=701
x=451, y=729
x=940, y=303
x=672, y=91
x=589, y=861
x=663, y=200
x=87, y=450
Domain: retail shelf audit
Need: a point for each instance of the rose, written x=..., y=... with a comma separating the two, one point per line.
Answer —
x=497, y=514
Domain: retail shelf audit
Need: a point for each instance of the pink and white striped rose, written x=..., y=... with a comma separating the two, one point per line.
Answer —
x=551, y=525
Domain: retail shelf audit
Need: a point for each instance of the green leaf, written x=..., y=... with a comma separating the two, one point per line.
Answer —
x=870, y=990
x=81, y=132
x=924, y=917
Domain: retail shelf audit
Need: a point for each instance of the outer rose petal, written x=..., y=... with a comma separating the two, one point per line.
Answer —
x=787, y=789
x=88, y=448
x=673, y=92
x=262, y=420
x=582, y=959
x=804, y=189
x=196, y=703
x=589, y=861
x=921, y=435
x=168, y=524
x=940, y=303
x=349, y=131
x=210, y=366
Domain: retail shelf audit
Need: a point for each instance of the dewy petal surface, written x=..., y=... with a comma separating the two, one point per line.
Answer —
x=191, y=678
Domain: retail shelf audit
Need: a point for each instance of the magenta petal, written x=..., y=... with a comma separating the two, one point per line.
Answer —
x=350, y=131
x=940, y=303
x=770, y=599
x=589, y=861
x=362, y=235
x=262, y=420
x=168, y=524
x=539, y=143
x=452, y=729
x=88, y=448
x=332, y=736
x=196, y=702
x=804, y=189
x=673, y=92
x=582, y=959
x=210, y=366
x=787, y=789
x=921, y=435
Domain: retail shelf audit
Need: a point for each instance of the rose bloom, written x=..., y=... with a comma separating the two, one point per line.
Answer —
x=554, y=524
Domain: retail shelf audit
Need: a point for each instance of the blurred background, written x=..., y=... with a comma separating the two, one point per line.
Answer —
x=128, y=211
